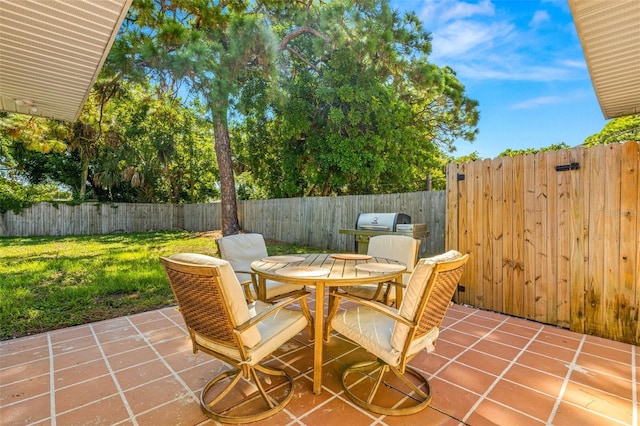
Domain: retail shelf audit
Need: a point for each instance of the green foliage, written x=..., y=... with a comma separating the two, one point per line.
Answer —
x=356, y=110
x=515, y=152
x=620, y=129
x=137, y=145
x=162, y=152
x=15, y=196
x=474, y=156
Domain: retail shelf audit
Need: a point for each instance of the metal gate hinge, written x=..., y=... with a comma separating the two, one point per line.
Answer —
x=565, y=167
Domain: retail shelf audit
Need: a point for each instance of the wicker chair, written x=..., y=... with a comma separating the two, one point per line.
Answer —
x=223, y=325
x=401, y=248
x=242, y=249
x=395, y=336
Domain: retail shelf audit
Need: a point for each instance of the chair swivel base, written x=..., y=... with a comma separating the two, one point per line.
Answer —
x=209, y=399
x=397, y=407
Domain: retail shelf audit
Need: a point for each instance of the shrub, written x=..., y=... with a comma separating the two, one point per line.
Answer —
x=16, y=196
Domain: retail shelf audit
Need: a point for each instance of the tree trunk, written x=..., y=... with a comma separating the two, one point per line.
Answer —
x=85, y=176
x=229, y=205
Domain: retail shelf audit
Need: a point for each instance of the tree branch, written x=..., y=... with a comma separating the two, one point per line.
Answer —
x=298, y=32
x=298, y=55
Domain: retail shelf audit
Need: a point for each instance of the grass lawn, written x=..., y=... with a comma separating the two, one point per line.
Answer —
x=54, y=282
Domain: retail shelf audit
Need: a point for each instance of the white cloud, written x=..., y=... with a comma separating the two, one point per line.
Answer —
x=442, y=11
x=452, y=10
x=514, y=70
x=570, y=97
x=574, y=63
x=467, y=38
x=539, y=17
x=537, y=102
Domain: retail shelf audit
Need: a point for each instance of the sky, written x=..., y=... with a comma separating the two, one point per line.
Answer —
x=523, y=62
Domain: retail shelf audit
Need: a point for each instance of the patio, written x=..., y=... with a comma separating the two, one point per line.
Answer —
x=488, y=368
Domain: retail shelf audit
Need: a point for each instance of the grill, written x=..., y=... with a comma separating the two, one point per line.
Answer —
x=371, y=224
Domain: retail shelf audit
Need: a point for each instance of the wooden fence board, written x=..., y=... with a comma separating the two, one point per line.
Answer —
x=551, y=246
x=626, y=308
x=529, y=233
x=612, y=244
x=579, y=198
x=487, y=238
x=497, y=229
x=541, y=283
x=507, y=240
x=595, y=282
x=476, y=231
x=467, y=295
x=518, y=233
x=452, y=208
x=563, y=224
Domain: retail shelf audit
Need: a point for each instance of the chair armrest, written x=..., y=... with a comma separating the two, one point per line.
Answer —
x=247, y=291
x=272, y=310
x=377, y=306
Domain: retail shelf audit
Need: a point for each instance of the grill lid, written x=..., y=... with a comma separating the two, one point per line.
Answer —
x=381, y=221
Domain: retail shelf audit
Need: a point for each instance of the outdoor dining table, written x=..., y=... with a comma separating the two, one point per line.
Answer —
x=322, y=270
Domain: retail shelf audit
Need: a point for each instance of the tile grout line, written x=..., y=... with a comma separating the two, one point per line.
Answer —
x=113, y=376
x=489, y=331
x=294, y=419
x=563, y=388
x=174, y=373
x=52, y=384
x=501, y=376
x=634, y=387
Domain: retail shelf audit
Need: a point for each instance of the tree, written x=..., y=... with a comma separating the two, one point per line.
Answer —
x=46, y=147
x=621, y=129
x=204, y=47
x=515, y=152
x=159, y=151
x=133, y=144
x=474, y=156
x=358, y=107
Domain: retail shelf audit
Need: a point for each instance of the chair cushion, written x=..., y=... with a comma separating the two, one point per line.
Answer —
x=414, y=291
x=275, y=330
x=240, y=250
x=276, y=288
x=372, y=330
x=232, y=291
x=401, y=248
x=365, y=291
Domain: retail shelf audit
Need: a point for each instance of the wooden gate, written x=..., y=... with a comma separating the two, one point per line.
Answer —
x=553, y=237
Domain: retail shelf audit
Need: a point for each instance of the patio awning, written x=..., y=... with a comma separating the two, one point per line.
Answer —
x=52, y=51
x=609, y=31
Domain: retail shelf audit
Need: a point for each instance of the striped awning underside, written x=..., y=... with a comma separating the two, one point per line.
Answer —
x=51, y=52
x=609, y=31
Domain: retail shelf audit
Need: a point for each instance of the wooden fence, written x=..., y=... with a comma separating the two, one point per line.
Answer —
x=313, y=221
x=317, y=220
x=91, y=218
x=553, y=237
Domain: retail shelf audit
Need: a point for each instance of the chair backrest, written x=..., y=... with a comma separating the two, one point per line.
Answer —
x=240, y=250
x=210, y=297
x=428, y=295
x=401, y=248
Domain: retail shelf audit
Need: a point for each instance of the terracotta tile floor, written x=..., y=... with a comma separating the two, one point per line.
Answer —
x=487, y=369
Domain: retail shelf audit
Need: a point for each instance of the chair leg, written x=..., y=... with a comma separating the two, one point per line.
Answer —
x=397, y=406
x=215, y=406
